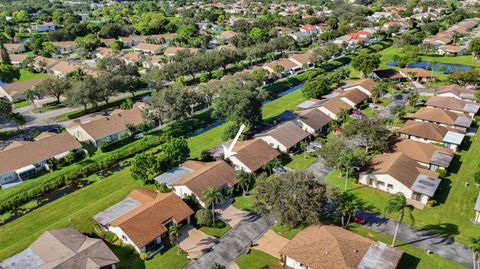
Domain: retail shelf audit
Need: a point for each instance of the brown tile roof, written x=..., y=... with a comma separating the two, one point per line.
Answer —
x=132, y=56
x=287, y=134
x=450, y=48
x=68, y=248
x=17, y=58
x=165, y=36
x=21, y=86
x=314, y=118
x=355, y=95
x=399, y=166
x=387, y=74
x=146, y=222
x=284, y=62
x=451, y=103
x=107, y=125
x=418, y=72
x=254, y=153
x=175, y=50
x=367, y=83
x=12, y=46
x=36, y=151
x=108, y=41
x=335, y=105
x=421, y=152
x=227, y=34
x=64, y=44
x=49, y=62
x=68, y=66
x=302, y=58
x=147, y=46
x=104, y=51
x=425, y=130
x=207, y=174
x=327, y=247
x=458, y=91
x=438, y=115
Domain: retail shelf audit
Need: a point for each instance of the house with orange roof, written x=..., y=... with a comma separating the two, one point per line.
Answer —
x=251, y=155
x=143, y=218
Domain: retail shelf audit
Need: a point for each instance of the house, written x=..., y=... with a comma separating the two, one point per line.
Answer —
x=172, y=51
x=64, y=47
x=439, y=40
x=42, y=64
x=23, y=159
x=282, y=66
x=133, y=40
x=108, y=41
x=300, y=37
x=133, y=58
x=308, y=29
x=102, y=52
x=62, y=68
x=63, y=248
x=328, y=246
x=365, y=85
x=153, y=61
x=386, y=75
x=353, y=97
x=17, y=59
x=14, y=91
x=397, y=173
x=444, y=118
x=452, y=50
x=14, y=47
x=403, y=25
x=417, y=74
x=456, y=91
x=312, y=121
x=251, y=155
x=285, y=137
x=283, y=31
x=431, y=156
x=311, y=103
x=428, y=132
x=107, y=128
x=143, y=218
x=44, y=27
x=147, y=48
x=454, y=104
x=302, y=59
x=195, y=177
x=163, y=38
x=333, y=106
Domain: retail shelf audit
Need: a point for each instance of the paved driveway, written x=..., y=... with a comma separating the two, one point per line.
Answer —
x=319, y=170
x=232, y=215
x=271, y=243
x=195, y=242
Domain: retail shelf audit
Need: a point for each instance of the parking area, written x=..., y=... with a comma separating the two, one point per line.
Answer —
x=195, y=242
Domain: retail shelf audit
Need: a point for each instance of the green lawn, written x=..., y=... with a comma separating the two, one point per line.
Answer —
x=245, y=203
x=299, y=162
x=286, y=231
x=27, y=75
x=256, y=259
x=451, y=217
x=279, y=105
x=22, y=104
x=168, y=259
x=218, y=231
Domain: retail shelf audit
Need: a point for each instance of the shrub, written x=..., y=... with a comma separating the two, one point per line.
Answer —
x=204, y=217
x=431, y=203
x=118, y=243
x=111, y=237
x=442, y=172
x=144, y=256
x=128, y=248
x=192, y=201
x=98, y=230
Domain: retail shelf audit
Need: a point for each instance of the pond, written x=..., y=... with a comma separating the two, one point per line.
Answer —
x=437, y=67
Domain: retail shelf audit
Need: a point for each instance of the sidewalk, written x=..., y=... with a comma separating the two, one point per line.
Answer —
x=437, y=244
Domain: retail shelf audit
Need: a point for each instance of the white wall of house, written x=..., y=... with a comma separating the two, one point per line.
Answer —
x=477, y=216
x=124, y=237
x=272, y=142
x=294, y=264
x=3, y=93
x=306, y=127
x=346, y=100
x=238, y=165
x=182, y=191
x=328, y=113
x=361, y=88
x=80, y=134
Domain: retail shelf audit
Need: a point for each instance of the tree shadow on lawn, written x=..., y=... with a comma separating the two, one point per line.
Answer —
x=443, y=191
x=445, y=230
x=455, y=164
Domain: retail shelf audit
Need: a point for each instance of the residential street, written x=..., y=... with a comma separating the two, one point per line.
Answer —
x=423, y=239
x=234, y=243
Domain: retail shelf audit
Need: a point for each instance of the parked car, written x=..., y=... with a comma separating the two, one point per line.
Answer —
x=314, y=146
x=420, y=102
x=359, y=218
x=279, y=170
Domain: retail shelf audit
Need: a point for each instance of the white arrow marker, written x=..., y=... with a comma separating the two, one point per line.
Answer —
x=229, y=152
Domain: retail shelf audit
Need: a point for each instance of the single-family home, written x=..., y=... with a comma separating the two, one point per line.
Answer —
x=14, y=47
x=308, y=29
x=63, y=248
x=439, y=40
x=64, y=47
x=311, y=103
x=403, y=25
x=353, y=97
x=195, y=177
x=107, y=128
x=333, y=106
x=133, y=40
x=444, y=118
x=108, y=41
x=153, y=61
x=251, y=155
x=417, y=74
x=428, y=132
x=431, y=156
x=302, y=59
x=17, y=59
x=282, y=66
x=143, y=218
x=163, y=38
x=172, y=51
x=344, y=39
x=43, y=64
x=44, y=27
x=397, y=173
x=365, y=85
x=386, y=75
x=456, y=91
x=300, y=37
x=284, y=137
x=147, y=48
x=312, y=121
x=329, y=246
x=454, y=104
x=102, y=52
x=283, y=31
x=61, y=68
x=14, y=91
x=23, y=159
x=133, y=58
x=452, y=50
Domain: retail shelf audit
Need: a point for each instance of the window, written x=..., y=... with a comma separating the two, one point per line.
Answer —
x=380, y=183
x=390, y=186
x=124, y=237
x=370, y=181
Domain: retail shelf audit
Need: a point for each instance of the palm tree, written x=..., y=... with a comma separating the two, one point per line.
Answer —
x=272, y=164
x=77, y=74
x=398, y=203
x=31, y=95
x=475, y=246
x=343, y=114
x=173, y=234
x=18, y=119
x=211, y=196
x=244, y=180
x=303, y=147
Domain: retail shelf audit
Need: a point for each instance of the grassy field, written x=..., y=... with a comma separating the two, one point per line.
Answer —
x=27, y=75
x=256, y=259
x=451, y=217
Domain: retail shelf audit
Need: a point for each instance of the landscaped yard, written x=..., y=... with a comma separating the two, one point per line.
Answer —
x=286, y=231
x=21, y=104
x=256, y=259
x=245, y=203
x=299, y=162
x=218, y=231
x=27, y=75
x=456, y=197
